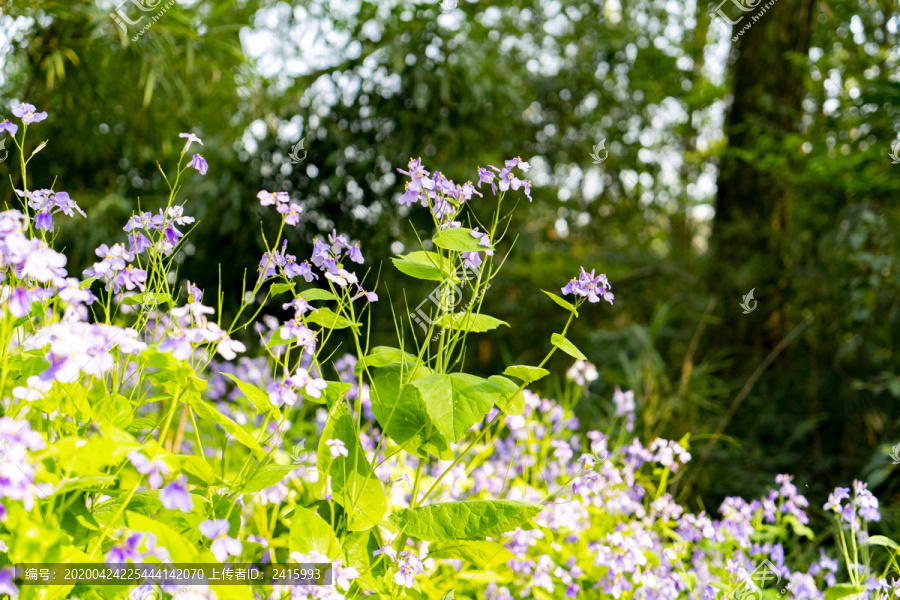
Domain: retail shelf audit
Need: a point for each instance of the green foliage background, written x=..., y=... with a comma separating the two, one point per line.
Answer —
x=793, y=124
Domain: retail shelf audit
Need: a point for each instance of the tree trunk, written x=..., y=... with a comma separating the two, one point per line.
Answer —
x=753, y=207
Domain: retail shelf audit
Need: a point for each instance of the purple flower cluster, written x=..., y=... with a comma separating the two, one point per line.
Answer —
x=590, y=286
x=77, y=347
x=286, y=390
x=864, y=505
x=46, y=203
x=28, y=113
x=16, y=469
x=157, y=232
x=185, y=327
x=505, y=178
x=446, y=198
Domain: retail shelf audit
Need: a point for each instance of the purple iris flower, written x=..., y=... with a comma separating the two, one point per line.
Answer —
x=9, y=126
x=199, y=163
x=27, y=113
x=176, y=496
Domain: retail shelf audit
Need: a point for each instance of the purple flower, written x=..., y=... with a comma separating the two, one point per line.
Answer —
x=156, y=468
x=176, y=496
x=20, y=302
x=222, y=546
x=130, y=277
x=191, y=138
x=27, y=113
x=300, y=306
x=291, y=212
x=337, y=448
x=9, y=126
x=199, y=163
x=355, y=254
x=590, y=286
x=486, y=176
x=268, y=198
x=305, y=269
x=407, y=568
x=6, y=583
x=834, y=499
x=523, y=166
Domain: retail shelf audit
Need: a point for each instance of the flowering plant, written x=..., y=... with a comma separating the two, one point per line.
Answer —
x=136, y=430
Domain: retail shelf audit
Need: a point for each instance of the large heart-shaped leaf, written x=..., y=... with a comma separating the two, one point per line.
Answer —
x=456, y=401
x=481, y=554
x=424, y=265
x=400, y=410
x=310, y=533
x=470, y=520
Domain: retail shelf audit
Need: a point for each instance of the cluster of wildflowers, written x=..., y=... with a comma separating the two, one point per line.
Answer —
x=46, y=203
x=862, y=506
x=17, y=470
x=446, y=198
x=590, y=286
x=161, y=436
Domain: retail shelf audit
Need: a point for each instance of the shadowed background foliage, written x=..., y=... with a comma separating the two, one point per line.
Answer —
x=728, y=164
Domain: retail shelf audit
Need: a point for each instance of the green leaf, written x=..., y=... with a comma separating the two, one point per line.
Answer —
x=526, y=373
x=310, y=533
x=401, y=411
x=565, y=304
x=354, y=484
x=424, y=265
x=329, y=319
x=456, y=401
x=279, y=288
x=470, y=520
x=511, y=401
x=195, y=465
x=841, y=590
x=207, y=413
x=567, y=346
x=382, y=356
x=331, y=394
x=880, y=540
x=313, y=294
x=470, y=322
x=483, y=555
x=259, y=398
x=266, y=477
x=459, y=239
